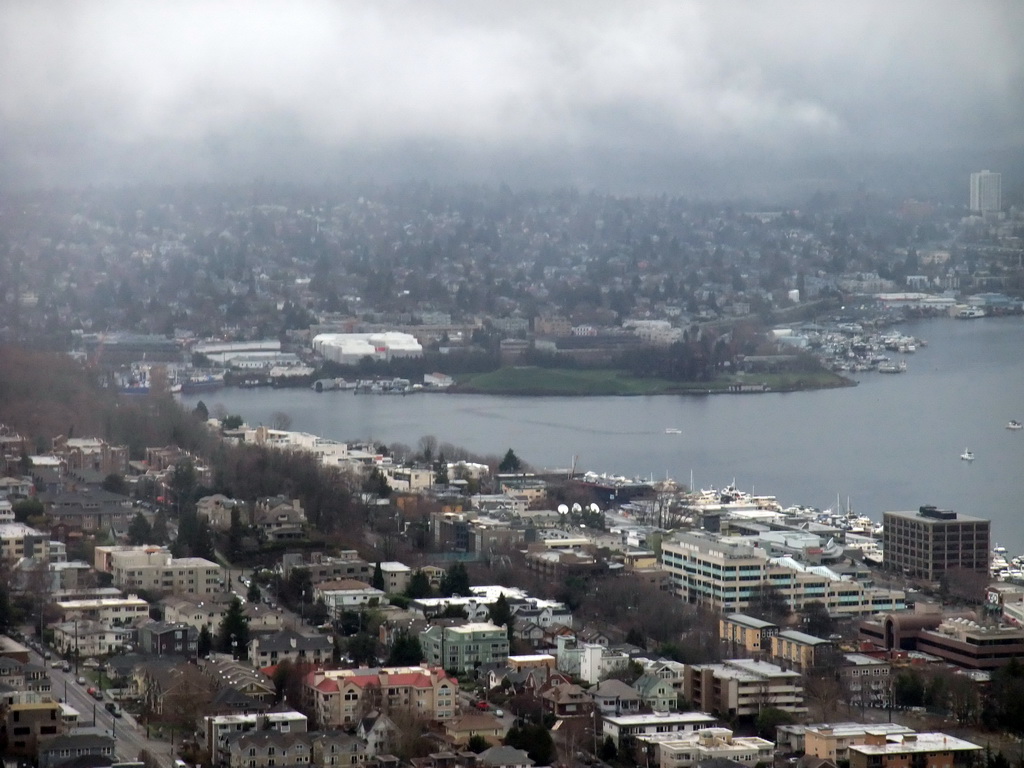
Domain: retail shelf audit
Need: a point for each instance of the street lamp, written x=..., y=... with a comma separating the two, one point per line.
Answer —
x=234, y=647
x=302, y=608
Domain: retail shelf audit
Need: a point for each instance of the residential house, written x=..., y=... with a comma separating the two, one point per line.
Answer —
x=218, y=509
x=207, y=611
x=265, y=749
x=220, y=730
x=270, y=650
x=87, y=511
x=340, y=697
x=62, y=749
x=240, y=677
x=396, y=576
x=347, y=594
x=614, y=697
x=278, y=518
x=89, y=638
x=464, y=727
x=378, y=732
x=566, y=700
x=339, y=748
x=168, y=693
x=504, y=757
x=656, y=693
x=161, y=638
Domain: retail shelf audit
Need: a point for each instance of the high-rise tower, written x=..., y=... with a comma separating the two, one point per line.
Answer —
x=986, y=192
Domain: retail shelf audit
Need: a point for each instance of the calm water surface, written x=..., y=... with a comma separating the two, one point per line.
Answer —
x=893, y=442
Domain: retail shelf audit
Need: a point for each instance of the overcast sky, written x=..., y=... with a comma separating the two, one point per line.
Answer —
x=105, y=90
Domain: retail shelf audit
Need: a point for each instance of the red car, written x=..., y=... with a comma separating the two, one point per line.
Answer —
x=482, y=705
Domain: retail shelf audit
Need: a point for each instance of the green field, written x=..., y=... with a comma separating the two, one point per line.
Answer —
x=530, y=380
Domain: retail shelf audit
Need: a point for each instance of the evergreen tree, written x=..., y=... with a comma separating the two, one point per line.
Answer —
x=233, y=635
x=419, y=586
x=501, y=614
x=405, y=651
x=201, y=412
x=158, y=532
x=441, y=471
x=608, y=750
x=139, y=530
x=510, y=463
x=235, y=533
x=253, y=595
x=377, y=582
x=535, y=739
x=205, y=642
x=455, y=581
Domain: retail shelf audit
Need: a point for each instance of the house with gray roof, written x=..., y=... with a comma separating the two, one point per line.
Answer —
x=288, y=644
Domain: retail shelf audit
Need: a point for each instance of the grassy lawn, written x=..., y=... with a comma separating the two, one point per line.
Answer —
x=530, y=380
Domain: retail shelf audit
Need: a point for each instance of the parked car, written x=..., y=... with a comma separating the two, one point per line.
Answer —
x=97, y=694
x=483, y=705
x=112, y=708
x=81, y=680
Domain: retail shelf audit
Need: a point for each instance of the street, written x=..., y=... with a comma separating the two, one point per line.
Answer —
x=130, y=738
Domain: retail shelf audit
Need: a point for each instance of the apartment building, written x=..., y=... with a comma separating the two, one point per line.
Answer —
x=793, y=649
x=347, y=594
x=154, y=569
x=743, y=687
x=339, y=697
x=289, y=645
x=746, y=635
x=867, y=679
x=913, y=750
x=725, y=575
x=89, y=638
x=668, y=750
x=465, y=647
x=624, y=729
x=930, y=542
x=832, y=741
x=112, y=611
x=30, y=723
x=221, y=729
x=18, y=540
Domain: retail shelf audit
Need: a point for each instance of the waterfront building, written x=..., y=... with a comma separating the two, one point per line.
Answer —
x=928, y=543
x=726, y=575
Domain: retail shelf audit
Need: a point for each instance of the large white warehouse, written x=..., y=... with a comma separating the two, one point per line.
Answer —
x=350, y=348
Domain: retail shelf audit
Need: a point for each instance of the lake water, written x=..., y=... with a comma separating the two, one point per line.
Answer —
x=893, y=442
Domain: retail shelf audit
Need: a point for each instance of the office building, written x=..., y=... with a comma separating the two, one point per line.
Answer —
x=726, y=575
x=986, y=192
x=928, y=543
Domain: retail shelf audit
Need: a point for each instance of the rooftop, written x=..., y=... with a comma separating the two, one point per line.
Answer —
x=901, y=743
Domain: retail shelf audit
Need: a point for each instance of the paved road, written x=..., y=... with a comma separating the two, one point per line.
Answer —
x=130, y=738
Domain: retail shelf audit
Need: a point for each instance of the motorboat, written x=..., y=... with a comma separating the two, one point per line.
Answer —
x=967, y=455
x=1014, y=425
x=673, y=431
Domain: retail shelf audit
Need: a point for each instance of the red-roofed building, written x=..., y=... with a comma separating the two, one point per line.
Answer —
x=340, y=697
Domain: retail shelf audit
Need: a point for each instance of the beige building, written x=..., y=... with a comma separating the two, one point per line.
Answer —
x=799, y=650
x=745, y=635
x=111, y=611
x=832, y=741
x=913, y=750
x=743, y=687
x=207, y=612
x=673, y=750
x=725, y=575
x=18, y=540
x=156, y=570
x=339, y=697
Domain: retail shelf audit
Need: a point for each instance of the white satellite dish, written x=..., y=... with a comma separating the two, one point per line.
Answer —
x=563, y=510
x=594, y=507
x=577, y=508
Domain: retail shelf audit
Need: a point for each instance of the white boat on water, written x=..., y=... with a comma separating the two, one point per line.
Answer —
x=1014, y=425
x=673, y=431
x=967, y=455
